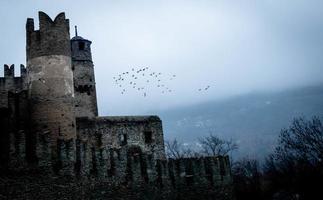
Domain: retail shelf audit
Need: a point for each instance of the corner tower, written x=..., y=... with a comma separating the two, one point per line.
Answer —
x=84, y=80
x=50, y=85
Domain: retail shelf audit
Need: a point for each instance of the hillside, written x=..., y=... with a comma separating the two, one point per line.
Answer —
x=252, y=120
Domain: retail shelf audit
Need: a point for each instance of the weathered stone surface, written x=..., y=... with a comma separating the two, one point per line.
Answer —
x=52, y=38
x=50, y=89
x=53, y=143
x=50, y=82
x=84, y=80
x=115, y=132
x=36, y=185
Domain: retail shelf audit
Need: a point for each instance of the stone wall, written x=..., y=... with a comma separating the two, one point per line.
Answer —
x=116, y=150
x=14, y=120
x=11, y=83
x=14, y=116
x=52, y=38
x=50, y=86
x=84, y=79
x=34, y=184
x=107, y=166
x=84, y=88
x=191, y=178
x=116, y=132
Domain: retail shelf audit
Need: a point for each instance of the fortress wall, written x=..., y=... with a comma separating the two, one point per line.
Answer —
x=4, y=137
x=174, y=179
x=131, y=167
x=106, y=163
x=14, y=120
x=11, y=83
x=84, y=87
x=101, y=153
x=13, y=105
x=115, y=132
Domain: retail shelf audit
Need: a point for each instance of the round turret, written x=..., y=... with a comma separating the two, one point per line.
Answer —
x=84, y=80
x=50, y=87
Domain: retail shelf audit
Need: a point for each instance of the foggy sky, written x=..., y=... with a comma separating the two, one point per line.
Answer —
x=236, y=47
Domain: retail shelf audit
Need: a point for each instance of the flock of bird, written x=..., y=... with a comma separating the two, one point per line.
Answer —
x=143, y=79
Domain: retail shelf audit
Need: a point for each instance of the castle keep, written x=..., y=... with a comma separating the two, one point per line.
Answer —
x=49, y=121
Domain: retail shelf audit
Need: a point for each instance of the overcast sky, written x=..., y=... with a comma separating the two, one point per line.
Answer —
x=235, y=47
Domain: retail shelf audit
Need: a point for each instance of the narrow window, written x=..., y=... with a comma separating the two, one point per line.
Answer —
x=81, y=45
x=123, y=139
x=148, y=137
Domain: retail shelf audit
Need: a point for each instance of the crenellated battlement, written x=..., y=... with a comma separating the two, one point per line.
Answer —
x=46, y=23
x=9, y=71
x=23, y=70
x=11, y=82
x=52, y=38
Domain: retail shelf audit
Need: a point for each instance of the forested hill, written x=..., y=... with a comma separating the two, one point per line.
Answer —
x=253, y=120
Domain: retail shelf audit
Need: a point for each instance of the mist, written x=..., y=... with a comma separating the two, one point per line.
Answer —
x=234, y=47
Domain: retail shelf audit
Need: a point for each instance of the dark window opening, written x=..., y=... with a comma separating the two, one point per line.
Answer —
x=81, y=45
x=123, y=139
x=148, y=137
x=83, y=89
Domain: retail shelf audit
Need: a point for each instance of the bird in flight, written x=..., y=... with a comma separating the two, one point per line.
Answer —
x=143, y=79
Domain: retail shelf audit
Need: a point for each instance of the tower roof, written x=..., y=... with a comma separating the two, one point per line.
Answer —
x=78, y=38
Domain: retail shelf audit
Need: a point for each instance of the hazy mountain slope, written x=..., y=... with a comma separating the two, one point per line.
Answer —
x=253, y=120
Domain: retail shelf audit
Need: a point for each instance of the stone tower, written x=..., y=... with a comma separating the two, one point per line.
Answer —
x=84, y=81
x=50, y=88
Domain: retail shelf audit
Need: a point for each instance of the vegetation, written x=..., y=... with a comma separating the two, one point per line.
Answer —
x=293, y=171
x=176, y=150
x=210, y=145
x=214, y=146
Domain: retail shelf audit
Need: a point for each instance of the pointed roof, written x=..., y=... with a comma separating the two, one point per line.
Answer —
x=78, y=38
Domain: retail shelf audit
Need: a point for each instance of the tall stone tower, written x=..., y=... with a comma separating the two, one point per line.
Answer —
x=50, y=86
x=84, y=81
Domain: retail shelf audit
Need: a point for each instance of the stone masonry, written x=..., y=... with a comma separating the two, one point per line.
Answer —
x=49, y=123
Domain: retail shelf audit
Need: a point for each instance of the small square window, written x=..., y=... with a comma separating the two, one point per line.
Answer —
x=148, y=137
x=81, y=45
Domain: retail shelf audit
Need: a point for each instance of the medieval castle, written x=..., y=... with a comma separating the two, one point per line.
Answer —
x=49, y=121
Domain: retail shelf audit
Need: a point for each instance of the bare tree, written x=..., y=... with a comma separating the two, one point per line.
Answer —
x=302, y=140
x=214, y=146
x=175, y=149
x=296, y=168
